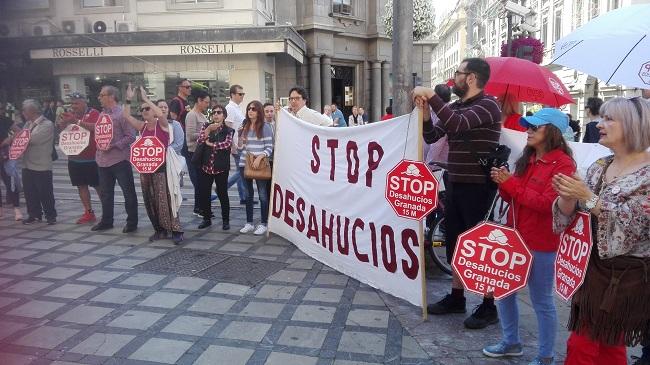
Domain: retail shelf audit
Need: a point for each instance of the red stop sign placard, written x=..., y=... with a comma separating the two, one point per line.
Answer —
x=573, y=256
x=147, y=154
x=74, y=139
x=491, y=258
x=19, y=144
x=104, y=132
x=411, y=189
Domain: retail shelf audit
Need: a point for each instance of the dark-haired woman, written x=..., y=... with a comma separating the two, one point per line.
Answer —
x=215, y=165
x=256, y=139
x=194, y=121
x=531, y=196
x=155, y=190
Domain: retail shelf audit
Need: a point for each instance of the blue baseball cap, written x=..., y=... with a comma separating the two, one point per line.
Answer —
x=547, y=116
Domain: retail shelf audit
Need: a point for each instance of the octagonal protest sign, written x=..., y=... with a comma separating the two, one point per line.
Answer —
x=19, y=144
x=573, y=256
x=411, y=189
x=104, y=132
x=147, y=154
x=74, y=139
x=491, y=258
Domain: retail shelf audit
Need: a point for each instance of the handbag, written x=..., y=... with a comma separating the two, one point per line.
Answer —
x=197, y=157
x=262, y=173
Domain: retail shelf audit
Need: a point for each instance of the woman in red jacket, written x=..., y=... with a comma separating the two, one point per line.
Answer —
x=531, y=195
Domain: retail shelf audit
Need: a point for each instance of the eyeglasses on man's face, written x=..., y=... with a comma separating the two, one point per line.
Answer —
x=295, y=98
x=241, y=94
x=456, y=73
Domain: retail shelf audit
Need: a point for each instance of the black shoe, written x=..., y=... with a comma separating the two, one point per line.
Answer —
x=177, y=237
x=205, y=224
x=31, y=220
x=197, y=212
x=242, y=202
x=51, y=221
x=483, y=316
x=225, y=226
x=101, y=227
x=158, y=235
x=129, y=229
x=447, y=305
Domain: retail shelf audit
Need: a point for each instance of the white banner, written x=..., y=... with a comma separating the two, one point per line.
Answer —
x=584, y=154
x=328, y=200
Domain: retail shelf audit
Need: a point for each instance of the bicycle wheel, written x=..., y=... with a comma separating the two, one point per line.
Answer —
x=438, y=250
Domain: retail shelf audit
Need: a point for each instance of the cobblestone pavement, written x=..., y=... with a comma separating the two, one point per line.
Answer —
x=71, y=296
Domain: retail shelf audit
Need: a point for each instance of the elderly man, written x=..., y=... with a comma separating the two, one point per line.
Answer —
x=298, y=99
x=37, y=165
x=114, y=164
x=82, y=168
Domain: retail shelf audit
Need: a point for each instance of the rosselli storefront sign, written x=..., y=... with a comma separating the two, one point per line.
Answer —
x=160, y=50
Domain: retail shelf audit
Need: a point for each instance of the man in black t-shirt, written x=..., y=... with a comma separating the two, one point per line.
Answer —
x=178, y=107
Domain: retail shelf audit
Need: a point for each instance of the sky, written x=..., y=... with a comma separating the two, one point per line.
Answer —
x=442, y=7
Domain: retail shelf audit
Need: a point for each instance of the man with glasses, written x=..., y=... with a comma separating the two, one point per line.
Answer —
x=114, y=164
x=82, y=168
x=298, y=99
x=178, y=107
x=473, y=126
x=234, y=120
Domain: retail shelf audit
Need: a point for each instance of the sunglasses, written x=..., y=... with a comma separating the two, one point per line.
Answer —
x=251, y=108
x=217, y=112
x=533, y=127
x=637, y=104
x=145, y=109
x=241, y=94
x=186, y=86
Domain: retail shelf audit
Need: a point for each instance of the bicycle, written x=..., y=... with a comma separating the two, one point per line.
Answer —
x=434, y=229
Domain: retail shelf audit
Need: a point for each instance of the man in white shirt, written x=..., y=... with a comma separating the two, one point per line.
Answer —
x=234, y=120
x=298, y=107
x=327, y=111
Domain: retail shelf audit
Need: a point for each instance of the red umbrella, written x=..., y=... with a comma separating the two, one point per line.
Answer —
x=525, y=81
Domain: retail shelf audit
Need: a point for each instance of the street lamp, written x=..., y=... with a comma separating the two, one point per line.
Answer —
x=513, y=8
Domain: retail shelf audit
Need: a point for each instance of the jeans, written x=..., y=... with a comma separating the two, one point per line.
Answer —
x=194, y=178
x=205, y=188
x=263, y=193
x=540, y=286
x=121, y=172
x=39, y=193
x=237, y=177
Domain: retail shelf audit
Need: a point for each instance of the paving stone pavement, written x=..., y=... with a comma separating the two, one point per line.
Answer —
x=71, y=296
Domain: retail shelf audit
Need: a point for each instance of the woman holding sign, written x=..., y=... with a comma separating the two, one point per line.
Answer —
x=531, y=196
x=255, y=144
x=155, y=191
x=612, y=307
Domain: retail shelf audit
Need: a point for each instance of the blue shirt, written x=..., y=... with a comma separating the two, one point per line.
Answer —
x=179, y=137
x=339, y=114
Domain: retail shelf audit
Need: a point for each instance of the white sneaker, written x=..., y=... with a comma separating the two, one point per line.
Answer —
x=248, y=228
x=260, y=230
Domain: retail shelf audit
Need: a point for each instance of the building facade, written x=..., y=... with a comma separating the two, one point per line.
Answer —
x=548, y=21
x=337, y=49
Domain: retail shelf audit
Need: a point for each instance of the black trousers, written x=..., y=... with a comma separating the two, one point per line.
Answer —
x=205, y=191
x=193, y=171
x=122, y=173
x=466, y=206
x=39, y=193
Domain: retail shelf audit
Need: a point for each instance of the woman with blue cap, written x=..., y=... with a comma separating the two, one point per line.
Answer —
x=531, y=195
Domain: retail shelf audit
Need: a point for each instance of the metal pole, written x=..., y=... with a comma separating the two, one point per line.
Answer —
x=509, y=17
x=402, y=56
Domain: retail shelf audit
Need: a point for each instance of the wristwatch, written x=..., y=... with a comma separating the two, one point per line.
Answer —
x=591, y=203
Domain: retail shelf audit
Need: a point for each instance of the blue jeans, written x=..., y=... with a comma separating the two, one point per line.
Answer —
x=237, y=177
x=262, y=191
x=540, y=287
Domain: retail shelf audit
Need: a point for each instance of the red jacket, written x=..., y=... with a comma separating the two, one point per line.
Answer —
x=531, y=197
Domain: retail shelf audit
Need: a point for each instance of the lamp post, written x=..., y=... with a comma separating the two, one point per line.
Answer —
x=402, y=64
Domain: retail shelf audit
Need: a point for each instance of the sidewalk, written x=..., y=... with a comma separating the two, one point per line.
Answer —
x=71, y=296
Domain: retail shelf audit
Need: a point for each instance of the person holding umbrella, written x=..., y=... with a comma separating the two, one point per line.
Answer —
x=610, y=309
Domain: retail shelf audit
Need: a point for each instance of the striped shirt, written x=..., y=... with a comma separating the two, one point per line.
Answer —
x=477, y=120
x=255, y=146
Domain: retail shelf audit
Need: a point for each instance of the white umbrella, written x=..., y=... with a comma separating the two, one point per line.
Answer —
x=615, y=47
